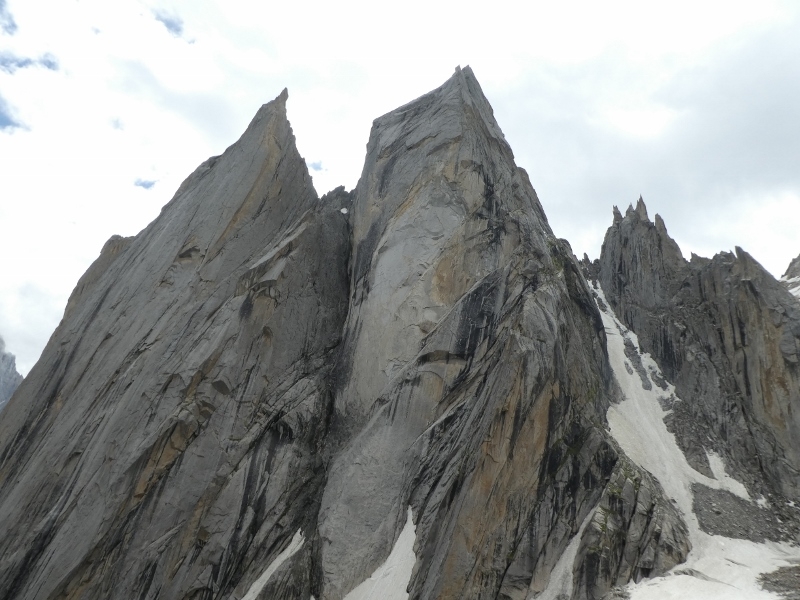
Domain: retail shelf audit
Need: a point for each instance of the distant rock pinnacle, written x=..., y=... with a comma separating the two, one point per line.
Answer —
x=9, y=378
x=727, y=334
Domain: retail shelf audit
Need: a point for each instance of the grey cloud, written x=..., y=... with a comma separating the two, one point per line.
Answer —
x=742, y=117
x=736, y=137
x=7, y=23
x=209, y=112
x=144, y=183
x=48, y=61
x=40, y=312
x=7, y=121
x=173, y=23
x=10, y=63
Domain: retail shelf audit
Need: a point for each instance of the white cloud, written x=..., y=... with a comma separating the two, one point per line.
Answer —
x=686, y=103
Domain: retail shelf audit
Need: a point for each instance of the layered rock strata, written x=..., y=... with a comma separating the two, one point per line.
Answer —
x=727, y=334
x=246, y=399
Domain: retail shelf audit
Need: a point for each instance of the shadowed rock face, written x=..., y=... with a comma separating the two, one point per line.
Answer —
x=258, y=363
x=727, y=334
x=9, y=378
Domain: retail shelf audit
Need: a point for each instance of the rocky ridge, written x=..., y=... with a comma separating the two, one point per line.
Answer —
x=408, y=390
x=249, y=398
x=9, y=378
x=727, y=334
x=794, y=269
x=169, y=436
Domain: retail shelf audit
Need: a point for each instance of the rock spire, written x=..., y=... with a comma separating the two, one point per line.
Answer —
x=9, y=378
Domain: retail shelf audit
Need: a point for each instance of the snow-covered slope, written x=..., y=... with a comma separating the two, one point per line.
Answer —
x=390, y=580
x=717, y=567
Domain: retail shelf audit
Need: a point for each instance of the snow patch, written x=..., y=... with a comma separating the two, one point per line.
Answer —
x=292, y=548
x=717, y=567
x=390, y=580
x=793, y=284
x=726, y=481
x=560, y=584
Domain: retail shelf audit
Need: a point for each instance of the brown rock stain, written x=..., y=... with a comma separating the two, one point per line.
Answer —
x=506, y=478
x=450, y=279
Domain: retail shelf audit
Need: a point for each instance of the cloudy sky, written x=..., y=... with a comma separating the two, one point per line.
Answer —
x=106, y=106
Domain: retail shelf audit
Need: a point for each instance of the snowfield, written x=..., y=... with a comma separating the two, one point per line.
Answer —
x=717, y=567
x=390, y=580
x=297, y=542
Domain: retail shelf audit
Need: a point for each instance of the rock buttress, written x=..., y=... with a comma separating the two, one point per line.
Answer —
x=474, y=377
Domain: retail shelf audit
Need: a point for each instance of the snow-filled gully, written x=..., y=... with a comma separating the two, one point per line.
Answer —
x=297, y=542
x=390, y=580
x=387, y=582
x=717, y=567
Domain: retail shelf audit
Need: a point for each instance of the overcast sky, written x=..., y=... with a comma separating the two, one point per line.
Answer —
x=105, y=107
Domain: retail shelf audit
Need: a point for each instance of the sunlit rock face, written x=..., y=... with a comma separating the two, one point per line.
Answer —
x=727, y=334
x=9, y=378
x=263, y=395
